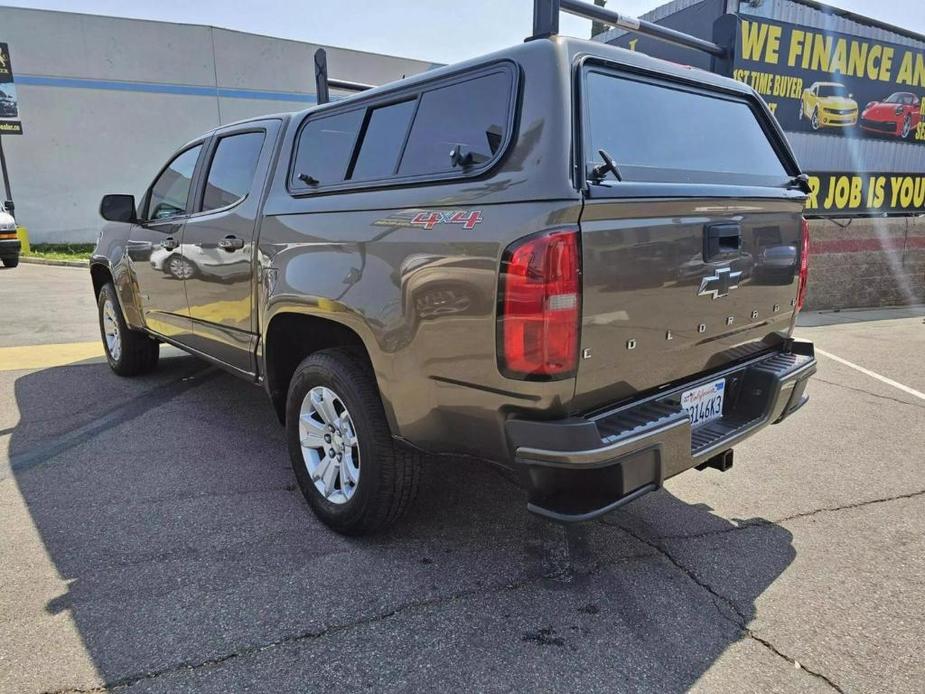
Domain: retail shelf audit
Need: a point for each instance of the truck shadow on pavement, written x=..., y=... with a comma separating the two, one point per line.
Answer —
x=191, y=560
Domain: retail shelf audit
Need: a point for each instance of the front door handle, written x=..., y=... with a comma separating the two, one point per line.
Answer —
x=169, y=243
x=231, y=243
x=721, y=240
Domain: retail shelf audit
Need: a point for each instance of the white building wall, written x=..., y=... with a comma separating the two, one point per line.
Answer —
x=105, y=101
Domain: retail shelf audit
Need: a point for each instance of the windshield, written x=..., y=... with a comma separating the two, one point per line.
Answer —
x=900, y=98
x=664, y=133
x=832, y=90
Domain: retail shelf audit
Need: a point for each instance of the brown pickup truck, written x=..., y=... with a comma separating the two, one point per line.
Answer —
x=573, y=260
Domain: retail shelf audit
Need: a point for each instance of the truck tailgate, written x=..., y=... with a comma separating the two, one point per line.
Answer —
x=676, y=287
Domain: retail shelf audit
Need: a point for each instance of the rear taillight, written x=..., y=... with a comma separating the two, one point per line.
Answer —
x=539, y=306
x=804, y=264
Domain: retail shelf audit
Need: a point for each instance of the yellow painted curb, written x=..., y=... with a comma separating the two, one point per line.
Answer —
x=47, y=356
x=23, y=235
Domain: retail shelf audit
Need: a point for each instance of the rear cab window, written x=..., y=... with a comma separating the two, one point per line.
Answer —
x=665, y=132
x=409, y=135
x=232, y=170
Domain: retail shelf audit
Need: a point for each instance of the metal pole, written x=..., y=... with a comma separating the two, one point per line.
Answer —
x=725, y=33
x=6, y=179
x=323, y=83
x=640, y=26
x=545, y=18
x=321, y=77
x=598, y=27
x=349, y=86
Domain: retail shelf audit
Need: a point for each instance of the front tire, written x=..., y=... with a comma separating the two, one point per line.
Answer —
x=906, y=128
x=350, y=470
x=129, y=352
x=11, y=261
x=814, y=121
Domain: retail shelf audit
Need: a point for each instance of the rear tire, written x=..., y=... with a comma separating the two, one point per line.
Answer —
x=129, y=352
x=11, y=261
x=369, y=481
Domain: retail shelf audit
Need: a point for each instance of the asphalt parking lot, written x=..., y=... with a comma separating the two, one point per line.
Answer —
x=152, y=539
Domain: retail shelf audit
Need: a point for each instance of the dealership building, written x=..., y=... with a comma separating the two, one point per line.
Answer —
x=103, y=102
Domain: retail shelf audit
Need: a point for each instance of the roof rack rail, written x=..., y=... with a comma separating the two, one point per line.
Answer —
x=546, y=23
x=323, y=83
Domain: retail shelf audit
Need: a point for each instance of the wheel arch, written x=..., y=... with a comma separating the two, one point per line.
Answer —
x=100, y=274
x=292, y=334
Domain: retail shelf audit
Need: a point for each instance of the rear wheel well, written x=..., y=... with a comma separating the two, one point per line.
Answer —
x=290, y=338
x=100, y=275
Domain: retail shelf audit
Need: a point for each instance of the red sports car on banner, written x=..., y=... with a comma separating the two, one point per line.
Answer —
x=897, y=115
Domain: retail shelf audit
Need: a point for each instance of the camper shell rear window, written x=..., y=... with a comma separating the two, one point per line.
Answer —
x=408, y=135
x=661, y=131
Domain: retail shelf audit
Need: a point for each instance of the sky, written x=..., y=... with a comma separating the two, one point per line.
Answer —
x=440, y=31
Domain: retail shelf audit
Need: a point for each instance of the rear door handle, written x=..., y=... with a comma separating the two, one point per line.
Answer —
x=169, y=243
x=721, y=240
x=231, y=243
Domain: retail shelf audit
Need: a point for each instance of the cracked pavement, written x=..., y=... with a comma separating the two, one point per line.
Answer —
x=153, y=541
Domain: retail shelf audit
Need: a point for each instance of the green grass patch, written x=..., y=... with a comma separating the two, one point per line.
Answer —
x=61, y=251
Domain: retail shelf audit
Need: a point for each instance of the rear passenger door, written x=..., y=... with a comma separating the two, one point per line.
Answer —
x=218, y=242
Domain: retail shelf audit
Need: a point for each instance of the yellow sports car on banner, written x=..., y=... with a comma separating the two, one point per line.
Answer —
x=828, y=104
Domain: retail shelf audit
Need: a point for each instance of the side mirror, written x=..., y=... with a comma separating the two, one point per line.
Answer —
x=118, y=208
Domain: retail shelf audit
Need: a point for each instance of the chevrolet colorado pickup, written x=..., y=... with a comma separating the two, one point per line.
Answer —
x=511, y=258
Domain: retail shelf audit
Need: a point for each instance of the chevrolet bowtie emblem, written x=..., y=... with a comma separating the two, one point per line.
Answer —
x=720, y=283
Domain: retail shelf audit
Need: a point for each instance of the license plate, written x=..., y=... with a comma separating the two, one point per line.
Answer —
x=705, y=402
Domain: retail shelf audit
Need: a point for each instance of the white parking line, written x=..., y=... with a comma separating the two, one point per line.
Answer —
x=872, y=374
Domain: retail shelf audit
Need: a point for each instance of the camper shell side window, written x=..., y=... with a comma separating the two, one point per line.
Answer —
x=456, y=127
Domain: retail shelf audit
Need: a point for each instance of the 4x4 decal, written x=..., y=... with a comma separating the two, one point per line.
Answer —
x=428, y=219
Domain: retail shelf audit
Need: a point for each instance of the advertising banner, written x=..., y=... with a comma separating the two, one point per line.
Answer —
x=847, y=194
x=10, y=123
x=832, y=83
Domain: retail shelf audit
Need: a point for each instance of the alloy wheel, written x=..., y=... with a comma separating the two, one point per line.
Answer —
x=111, y=331
x=330, y=447
x=180, y=268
